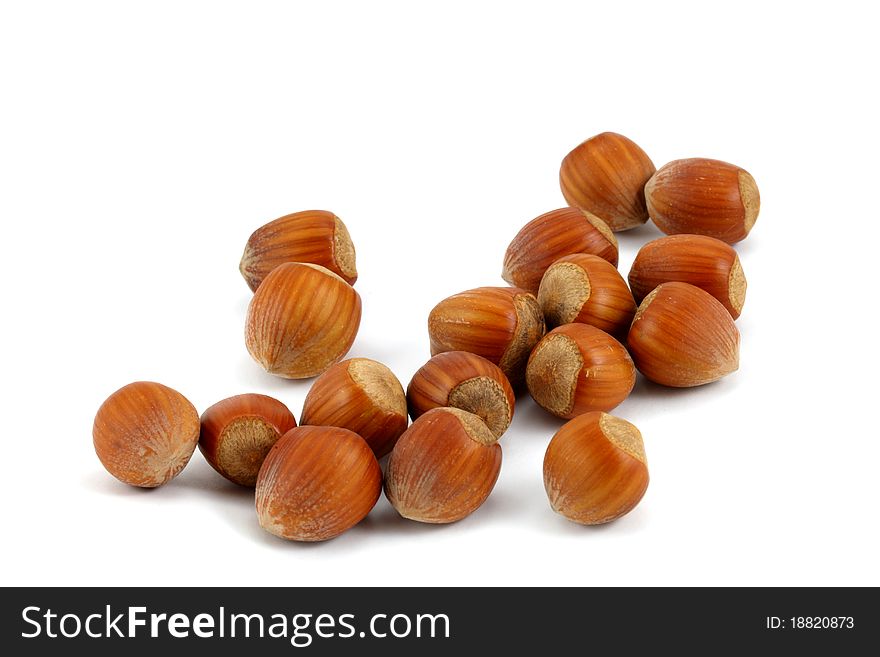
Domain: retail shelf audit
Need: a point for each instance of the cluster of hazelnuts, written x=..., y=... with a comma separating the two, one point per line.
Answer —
x=674, y=322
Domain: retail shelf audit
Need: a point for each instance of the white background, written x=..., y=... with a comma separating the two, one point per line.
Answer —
x=141, y=144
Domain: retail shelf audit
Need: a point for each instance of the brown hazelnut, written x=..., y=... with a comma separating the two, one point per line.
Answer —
x=554, y=234
x=577, y=368
x=361, y=395
x=145, y=433
x=606, y=175
x=315, y=236
x=707, y=263
x=443, y=467
x=239, y=431
x=466, y=381
x=301, y=320
x=316, y=483
x=586, y=289
x=501, y=324
x=682, y=337
x=703, y=197
x=595, y=469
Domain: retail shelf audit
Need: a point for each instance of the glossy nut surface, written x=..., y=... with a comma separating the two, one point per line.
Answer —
x=361, y=395
x=314, y=236
x=595, y=469
x=703, y=197
x=588, y=290
x=316, y=483
x=606, y=175
x=301, y=320
x=683, y=337
x=466, y=381
x=443, y=467
x=705, y=262
x=145, y=433
x=578, y=368
x=238, y=432
x=501, y=324
x=547, y=238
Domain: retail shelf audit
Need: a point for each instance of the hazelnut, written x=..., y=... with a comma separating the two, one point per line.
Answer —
x=501, y=324
x=315, y=236
x=301, y=320
x=586, y=289
x=606, y=175
x=578, y=368
x=238, y=432
x=709, y=264
x=703, y=197
x=682, y=337
x=363, y=396
x=595, y=469
x=145, y=433
x=466, y=381
x=317, y=482
x=554, y=234
x=443, y=467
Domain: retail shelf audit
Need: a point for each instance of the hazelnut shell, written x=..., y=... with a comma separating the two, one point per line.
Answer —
x=466, y=381
x=682, y=337
x=703, y=197
x=238, y=432
x=578, y=368
x=595, y=469
x=443, y=467
x=301, y=320
x=554, y=234
x=501, y=324
x=316, y=483
x=145, y=433
x=361, y=395
x=315, y=236
x=586, y=289
x=707, y=263
x=606, y=175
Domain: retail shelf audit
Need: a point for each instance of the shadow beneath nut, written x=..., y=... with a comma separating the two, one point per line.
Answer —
x=649, y=399
x=746, y=248
x=100, y=481
x=385, y=520
x=199, y=476
x=521, y=501
x=252, y=376
x=635, y=522
x=527, y=503
x=232, y=503
x=532, y=420
x=512, y=501
x=637, y=237
x=382, y=523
